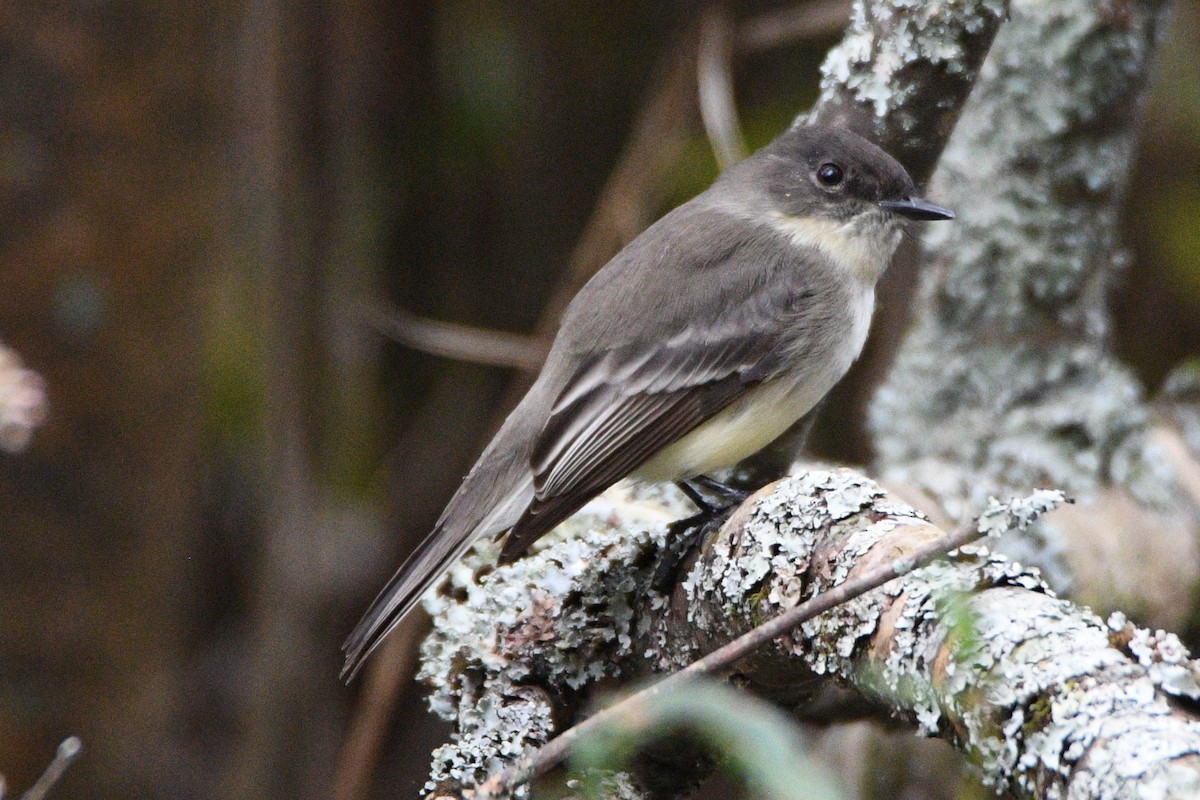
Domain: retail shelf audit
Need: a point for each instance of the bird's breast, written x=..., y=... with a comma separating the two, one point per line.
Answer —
x=742, y=429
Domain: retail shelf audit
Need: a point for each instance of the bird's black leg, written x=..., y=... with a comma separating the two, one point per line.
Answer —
x=697, y=499
x=727, y=492
x=684, y=534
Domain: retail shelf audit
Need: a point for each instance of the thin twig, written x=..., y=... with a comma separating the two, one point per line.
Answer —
x=364, y=740
x=66, y=753
x=630, y=198
x=552, y=753
x=453, y=340
x=714, y=86
x=785, y=26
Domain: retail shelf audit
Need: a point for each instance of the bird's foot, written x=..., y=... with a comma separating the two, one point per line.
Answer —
x=683, y=535
x=723, y=490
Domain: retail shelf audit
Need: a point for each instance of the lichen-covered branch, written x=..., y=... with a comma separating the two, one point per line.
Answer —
x=510, y=654
x=1042, y=696
x=673, y=689
x=1006, y=380
x=903, y=71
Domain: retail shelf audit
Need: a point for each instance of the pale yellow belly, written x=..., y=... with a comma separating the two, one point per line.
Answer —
x=741, y=430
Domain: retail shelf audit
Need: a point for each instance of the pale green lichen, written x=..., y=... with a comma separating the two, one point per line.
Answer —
x=1018, y=514
x=565, y=616
x=1032, y=689
x=1046, y=707
x=492, y=731
x=1168, y=663
x=1006, y=377
x=871, y=67
x=727, y=589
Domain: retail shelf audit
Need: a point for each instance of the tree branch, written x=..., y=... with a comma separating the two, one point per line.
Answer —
x=714, y=85
x=806, y=20
x=723, y=658
x=68, y=750
x=1006, y=380
x=457, y=341
x=902, y=73
x=1046, y=698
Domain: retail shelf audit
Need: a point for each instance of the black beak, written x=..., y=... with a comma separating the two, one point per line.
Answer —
x=915, y=208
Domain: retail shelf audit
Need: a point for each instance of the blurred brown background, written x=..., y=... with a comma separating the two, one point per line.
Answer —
x=200, y=206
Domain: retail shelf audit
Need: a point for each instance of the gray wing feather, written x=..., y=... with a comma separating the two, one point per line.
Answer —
x=583, y=434
x=642, y=359
x=623, y=405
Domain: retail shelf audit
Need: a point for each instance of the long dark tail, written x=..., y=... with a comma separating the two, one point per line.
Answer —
x=444, y=546
x=419, y=572
x=492, y=498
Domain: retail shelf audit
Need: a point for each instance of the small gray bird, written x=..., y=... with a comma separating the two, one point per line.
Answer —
x=701, y=342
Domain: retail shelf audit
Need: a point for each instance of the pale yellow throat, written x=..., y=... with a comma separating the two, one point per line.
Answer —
x=863, y=245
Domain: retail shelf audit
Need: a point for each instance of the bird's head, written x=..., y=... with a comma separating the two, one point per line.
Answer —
x=817, y=171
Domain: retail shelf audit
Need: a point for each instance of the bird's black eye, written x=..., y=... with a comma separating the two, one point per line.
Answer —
x=830, y=174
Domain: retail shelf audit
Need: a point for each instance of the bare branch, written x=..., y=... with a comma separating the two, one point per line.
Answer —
x=787, y=25
x=714, y=79
x=68, y=750
x=369, y=723
x=453, y=340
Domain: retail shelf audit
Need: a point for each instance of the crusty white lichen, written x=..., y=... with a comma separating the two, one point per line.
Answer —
x=1005, y=381
x=768, y=565
x=1168, y=663
x=871, y=66
x=1043, y=696
x=563, y=617
x=493, y=729
x=1028, y=685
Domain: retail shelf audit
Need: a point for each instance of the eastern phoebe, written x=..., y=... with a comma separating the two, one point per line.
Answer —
x=701, y=342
